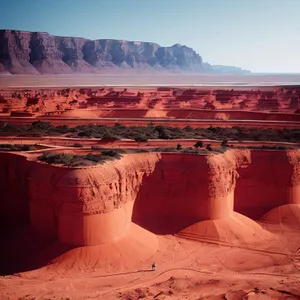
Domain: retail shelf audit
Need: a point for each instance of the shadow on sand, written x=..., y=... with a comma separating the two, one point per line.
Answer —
x=23, y=249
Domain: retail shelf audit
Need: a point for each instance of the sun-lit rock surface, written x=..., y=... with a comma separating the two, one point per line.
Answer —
x=161, y=192
x=26, y=52
x=171, y=103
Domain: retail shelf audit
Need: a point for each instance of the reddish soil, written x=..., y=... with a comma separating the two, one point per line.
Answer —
x=223, y=225
x=199, y=107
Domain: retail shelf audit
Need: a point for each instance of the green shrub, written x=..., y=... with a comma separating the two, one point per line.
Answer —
x=109, y=137
x=85, y=134
x=224, y=143
x=60, y=158
x=41, y=125
x=67, y=159
x=111, y=153
x=140, y=138
x=94, y=157
x=199, y=144
x=15, y=147
x=188, y=129
x=141, y=133
x=164, y=134
x=63, y=129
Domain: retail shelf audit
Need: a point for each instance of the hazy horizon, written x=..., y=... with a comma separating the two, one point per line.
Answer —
x=258, y=35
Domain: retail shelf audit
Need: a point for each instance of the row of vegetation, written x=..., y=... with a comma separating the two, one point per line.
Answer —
x=68, y=159
x=199, y=148
x=16, y=147
x=144, y=133
x=90, y=159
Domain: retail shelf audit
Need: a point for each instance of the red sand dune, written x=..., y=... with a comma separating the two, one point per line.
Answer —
x=137, y=243
x=288, y=214
x=237, y=229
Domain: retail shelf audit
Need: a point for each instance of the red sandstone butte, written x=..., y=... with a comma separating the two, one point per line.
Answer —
x=70, y=203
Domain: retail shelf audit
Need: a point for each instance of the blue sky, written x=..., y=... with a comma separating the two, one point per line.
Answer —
x=260, y=35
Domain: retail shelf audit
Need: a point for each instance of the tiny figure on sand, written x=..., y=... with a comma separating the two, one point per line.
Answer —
x=153, y=267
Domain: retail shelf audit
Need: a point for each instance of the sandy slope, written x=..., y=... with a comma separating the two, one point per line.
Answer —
x=185, y=270
x=266, y=267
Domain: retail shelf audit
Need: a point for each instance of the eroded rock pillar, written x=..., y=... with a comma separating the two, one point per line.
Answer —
x=87, y=214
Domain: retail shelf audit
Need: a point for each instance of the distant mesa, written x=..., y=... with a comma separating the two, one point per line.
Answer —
x=23, y=52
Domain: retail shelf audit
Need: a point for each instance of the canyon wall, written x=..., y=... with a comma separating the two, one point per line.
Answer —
x=184, y=189
x=14, y=204
x=271, y=179
x=96, y=203
x=162, y=192
x=39, y=52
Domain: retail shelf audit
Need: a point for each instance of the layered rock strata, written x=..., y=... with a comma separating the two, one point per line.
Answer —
x=162, y=192
x=24, y=52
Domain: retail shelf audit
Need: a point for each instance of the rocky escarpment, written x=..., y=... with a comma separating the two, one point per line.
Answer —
x=39, y=52
x=170, y=103
x=271, y=179
x=162, y=192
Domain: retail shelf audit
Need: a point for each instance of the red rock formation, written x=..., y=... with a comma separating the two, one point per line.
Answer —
x=16, y=52
x=189, y=103
x=161, y=192
x=69, y=203
x=14, y=204
x=182, y=179
x=32, y=52
x=269, y=181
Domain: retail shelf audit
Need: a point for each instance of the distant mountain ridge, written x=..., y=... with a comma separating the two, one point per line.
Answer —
x=23, y=52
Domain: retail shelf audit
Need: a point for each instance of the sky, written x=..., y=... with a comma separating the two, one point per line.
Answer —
x=259, y=35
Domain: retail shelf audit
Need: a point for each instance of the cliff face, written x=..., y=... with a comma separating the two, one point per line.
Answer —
x=15, y=52
x=271, y=179
x=14, y=204
x=184, y=189
x=163, y=193
x=38, y=52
